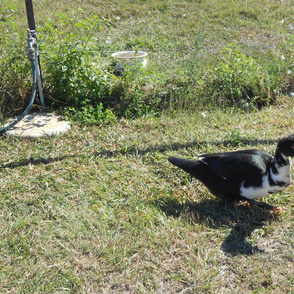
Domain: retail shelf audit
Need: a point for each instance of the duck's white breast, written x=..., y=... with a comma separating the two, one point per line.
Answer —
x=283, y=176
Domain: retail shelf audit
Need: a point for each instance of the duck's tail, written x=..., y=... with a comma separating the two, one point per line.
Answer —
x=184, y=164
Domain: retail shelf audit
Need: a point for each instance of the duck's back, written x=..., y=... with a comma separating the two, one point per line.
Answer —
x=239, y=162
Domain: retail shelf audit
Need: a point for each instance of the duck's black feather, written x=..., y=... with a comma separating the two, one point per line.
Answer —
x=238, y=162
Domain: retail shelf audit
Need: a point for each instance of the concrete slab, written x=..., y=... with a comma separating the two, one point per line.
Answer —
x=41, y=124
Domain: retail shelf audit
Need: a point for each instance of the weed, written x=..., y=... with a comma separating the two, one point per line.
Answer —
x=76, y=78
x=135, y=94
x=14, y=66
x=191, y=65
x=240, y=81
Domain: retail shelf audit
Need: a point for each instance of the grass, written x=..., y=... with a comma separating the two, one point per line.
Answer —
x=100, y=210
x=200, y=54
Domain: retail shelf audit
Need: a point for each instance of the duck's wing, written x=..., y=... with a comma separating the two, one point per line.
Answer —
x=245, y=162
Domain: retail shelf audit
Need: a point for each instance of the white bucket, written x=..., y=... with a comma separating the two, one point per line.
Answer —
x=130, y=58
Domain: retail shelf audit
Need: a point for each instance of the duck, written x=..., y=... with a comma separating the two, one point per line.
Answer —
x=243, y=174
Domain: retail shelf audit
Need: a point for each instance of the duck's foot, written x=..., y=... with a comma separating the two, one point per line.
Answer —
x=266, y=206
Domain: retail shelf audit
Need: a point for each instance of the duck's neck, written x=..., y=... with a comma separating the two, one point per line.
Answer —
x=281, y=159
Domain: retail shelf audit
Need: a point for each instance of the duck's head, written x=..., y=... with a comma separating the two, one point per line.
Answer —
x=286, y=146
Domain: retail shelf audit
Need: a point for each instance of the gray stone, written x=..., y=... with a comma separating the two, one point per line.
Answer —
x=41, y=124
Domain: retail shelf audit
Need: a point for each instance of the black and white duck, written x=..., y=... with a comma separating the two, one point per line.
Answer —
x=245, y=174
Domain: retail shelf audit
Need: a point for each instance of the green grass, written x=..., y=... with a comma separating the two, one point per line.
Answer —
x=100, y=210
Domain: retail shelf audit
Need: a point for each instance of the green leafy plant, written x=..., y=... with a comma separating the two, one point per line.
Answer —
x=136, y=93
x=239, y=80
x=76, y=78
x=83, y=82
x=89, y=114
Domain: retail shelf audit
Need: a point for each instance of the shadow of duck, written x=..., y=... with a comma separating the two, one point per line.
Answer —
x=241, y=220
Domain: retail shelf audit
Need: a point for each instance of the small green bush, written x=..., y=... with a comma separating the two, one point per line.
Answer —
x=240, y=81
x=76, y=77
x=136, y=93
x=79, y=79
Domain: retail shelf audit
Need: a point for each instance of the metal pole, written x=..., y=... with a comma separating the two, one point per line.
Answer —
x=32, y=27
x=30, y=14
